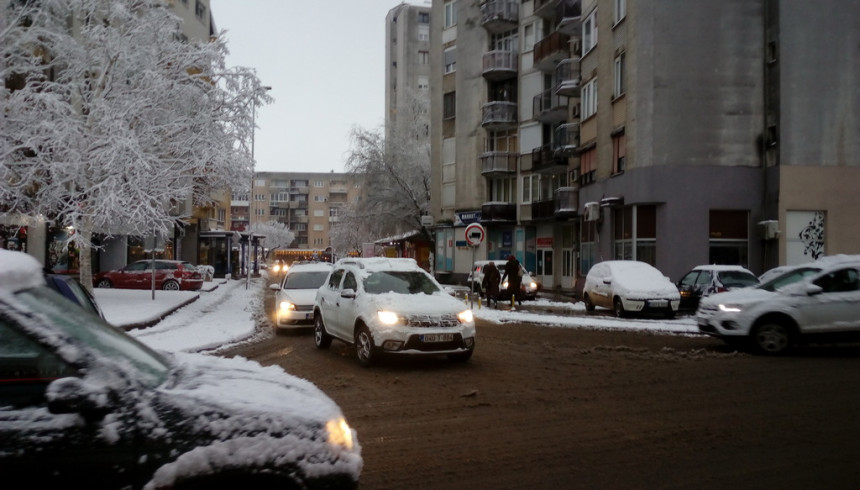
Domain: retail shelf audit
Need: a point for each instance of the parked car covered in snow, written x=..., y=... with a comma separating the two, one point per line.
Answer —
x=85, y=405
x=629, y=286
x=170, y=275
x=705, y=280
x=816, y=301
x=391, y=306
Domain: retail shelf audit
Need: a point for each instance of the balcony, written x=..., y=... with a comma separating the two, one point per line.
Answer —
x=545, y=9
x=566, y=142
x=566, y=202
x=498, y=16
x=549, y=108
x=543, y=210
x=500, y=65
x=550, y=51
x=568, y=17
x=499, y=115
x=337, y=189
x=546, y=161
x=498, y=212
x=499, y=163
x=568, y=79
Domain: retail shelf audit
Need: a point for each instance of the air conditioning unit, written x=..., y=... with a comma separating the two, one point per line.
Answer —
x=592, y=211
x=769, y=230
x=426, y=220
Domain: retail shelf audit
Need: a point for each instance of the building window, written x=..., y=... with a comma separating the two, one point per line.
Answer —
x=423, y=57
x=319, y=183
x=728, y=237
x=619, y=153
x=450, y=60
x=334, y=212
x=589, y=32
x=319, y=228
x=634, y=233
x=587, y=167
x=450, y=14
x=589, y=99
x=588, y=246
x=423, y=83
x=502, y=190
x=319, y=212
x=531, y=33
x=260, y=197
x=259, y=212
x=620, y=10
x=618, y=77
x=449, y=192
x=423, y=33
x=318, y=241
x=423, y=18
x=449, y=105
x=531, y=188
x=200, y=10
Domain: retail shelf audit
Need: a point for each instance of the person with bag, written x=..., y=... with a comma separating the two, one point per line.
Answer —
x=514, y=274
x=490, y=283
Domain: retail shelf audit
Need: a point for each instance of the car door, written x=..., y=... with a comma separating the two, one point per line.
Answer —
x=602, y=288
x=133, y=275
x=54, y=450
x=327, y=301
x=836, y=308
x=346, y=305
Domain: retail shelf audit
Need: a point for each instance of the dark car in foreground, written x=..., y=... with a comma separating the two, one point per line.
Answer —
x=72, y=290
x=84, y=405
x=170, y=275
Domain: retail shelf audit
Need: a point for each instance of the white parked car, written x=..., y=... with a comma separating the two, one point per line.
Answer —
x=295, y=295
x=816, y=301
x=391, y=306
x=629, y=286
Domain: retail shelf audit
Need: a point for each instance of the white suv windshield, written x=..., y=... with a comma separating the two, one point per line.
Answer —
x=402, y=282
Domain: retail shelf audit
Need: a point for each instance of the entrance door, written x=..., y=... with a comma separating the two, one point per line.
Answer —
x=545, y=267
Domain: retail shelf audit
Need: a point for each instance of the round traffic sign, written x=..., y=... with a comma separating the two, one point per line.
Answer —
x=475, y=234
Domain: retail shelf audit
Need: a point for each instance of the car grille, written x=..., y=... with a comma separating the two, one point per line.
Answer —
x=428, y=321
x=304, y=307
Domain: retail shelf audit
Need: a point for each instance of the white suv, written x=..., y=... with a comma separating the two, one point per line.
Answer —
x=817, y=301
x=391, y=306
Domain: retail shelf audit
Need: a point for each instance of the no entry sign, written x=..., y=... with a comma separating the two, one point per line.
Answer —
x=475, y=234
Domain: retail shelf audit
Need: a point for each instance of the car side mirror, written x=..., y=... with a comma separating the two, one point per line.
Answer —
x=275, y=287
x=348, y=293
x=607, y=280
x=74, y=395
x=813, y=289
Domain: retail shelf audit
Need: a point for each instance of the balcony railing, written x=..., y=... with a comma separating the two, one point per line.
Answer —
x=542, y=210
x=500, y=65
x=567, y=76
x=545, y=8
x=499, y=115
x=566, y=202
x=545, y=160
x=551, y=50
x=499, y=162
x=499, y=16
x=549, y=108
x=498, y=212
x=568, y=17
x=566, y=142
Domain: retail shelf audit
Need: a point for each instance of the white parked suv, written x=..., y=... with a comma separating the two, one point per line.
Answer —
x=391, y=306
x=816, y=301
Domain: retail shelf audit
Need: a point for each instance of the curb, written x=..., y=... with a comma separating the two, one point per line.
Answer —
x=153, y=321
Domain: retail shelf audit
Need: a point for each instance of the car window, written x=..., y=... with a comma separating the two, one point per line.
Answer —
x=305, y=280
x=334, y=279
x=26, y=368
x=349, y=281
x=843, y=280
x=135, y=266
x=704, y=278
x=402, y=282
x=689, y=279
x=790, y=277
x=737, y=279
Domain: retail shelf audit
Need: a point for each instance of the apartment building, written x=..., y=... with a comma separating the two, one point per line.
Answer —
x=673, y=132
x=407, y=62
x=308, y=203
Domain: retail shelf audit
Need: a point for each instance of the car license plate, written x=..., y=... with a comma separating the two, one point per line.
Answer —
x=308, y=316
x=658, y=303
x=437, y=337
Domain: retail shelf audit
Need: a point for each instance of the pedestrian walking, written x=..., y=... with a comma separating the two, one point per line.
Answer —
x=490, y=283
x=513, y=272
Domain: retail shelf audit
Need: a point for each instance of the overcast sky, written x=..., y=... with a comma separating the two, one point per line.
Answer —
x=325, y=62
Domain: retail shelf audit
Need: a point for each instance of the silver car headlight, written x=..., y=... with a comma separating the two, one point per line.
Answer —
x=729, y=308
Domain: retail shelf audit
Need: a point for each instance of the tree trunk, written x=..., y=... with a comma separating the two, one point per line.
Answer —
x=85, y=257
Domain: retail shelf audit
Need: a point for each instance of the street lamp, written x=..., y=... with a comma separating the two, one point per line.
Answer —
x=251, y=190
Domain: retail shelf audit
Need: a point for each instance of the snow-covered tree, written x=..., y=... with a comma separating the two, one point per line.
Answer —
x=112, y=121
x=395, y=172
x=278, y=235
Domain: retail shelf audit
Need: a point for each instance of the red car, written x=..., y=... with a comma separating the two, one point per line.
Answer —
x=170, y=275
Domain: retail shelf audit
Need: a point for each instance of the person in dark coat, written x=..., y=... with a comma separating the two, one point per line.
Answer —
x=512, y=273
x=490, y=283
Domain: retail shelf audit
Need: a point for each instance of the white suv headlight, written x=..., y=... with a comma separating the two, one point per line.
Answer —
x=465, y=316
x=387, y=317
x=729, y=308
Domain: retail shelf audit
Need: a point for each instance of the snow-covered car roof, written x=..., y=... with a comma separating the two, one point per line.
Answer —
x=19, y=271
x=718, y=267
x=310, y=266
x=373, y=264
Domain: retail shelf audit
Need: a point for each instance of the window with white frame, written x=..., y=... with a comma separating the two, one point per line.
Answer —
x=259, y=212
x=319, y=212
x=423, y=33
x=318, y=241
x=589, y=32
x=502, y=190
x=260, y=197
x=449, y=192
x=450, y=14
x=618, y=77
x=319, y=227
x=319, y=198
x=589, y=98
x=423, y=57
x=260, y=183
x=319, y=183
x=449, y=57
x=423, y=83
x=620, y=10
x=531, y=34
x=531, y=188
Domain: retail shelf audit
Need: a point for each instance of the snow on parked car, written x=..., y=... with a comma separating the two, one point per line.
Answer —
x=295, y=295
x=629, y=286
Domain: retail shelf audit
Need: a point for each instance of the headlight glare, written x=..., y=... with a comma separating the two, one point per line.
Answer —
x=729, y=308
x=465, y=316
x=286, y=306
x=339, y=433
x=387, y=317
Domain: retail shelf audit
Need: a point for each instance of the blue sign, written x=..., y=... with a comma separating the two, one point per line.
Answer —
x=467, y=218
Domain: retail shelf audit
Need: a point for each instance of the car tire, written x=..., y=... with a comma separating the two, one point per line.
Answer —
x=104, y=284
x=461, y=356
x=365, y=350
x=670, y=313
x=772, y=338
x=321, y=338
x=170, y=286
x=618, y=308
x=589, y=306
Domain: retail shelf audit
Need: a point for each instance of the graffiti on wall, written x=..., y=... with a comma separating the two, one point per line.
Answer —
x=812, y=236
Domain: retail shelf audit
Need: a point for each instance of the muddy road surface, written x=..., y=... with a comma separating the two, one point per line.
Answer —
x=552, y=408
